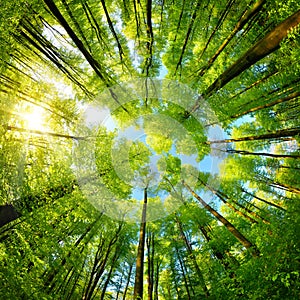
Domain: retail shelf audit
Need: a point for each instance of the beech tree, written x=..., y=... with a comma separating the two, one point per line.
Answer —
x=149, y=149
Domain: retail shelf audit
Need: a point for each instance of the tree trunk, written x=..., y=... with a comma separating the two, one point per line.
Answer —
x=156, y=280
x=244, y=152
x=183, y=273
x=33, y=131
x=246, y=16
x=113, y=262
x=268, y=136
x=100, y=262
x=187, y=37
x=219, y=255
x=150, y=263
x=262, y=48
x=8, y=214
x=192, y=256
x=222, y=198
x=93, y=63
x=241, y=238
x=278, y=101
x=139, y=273
x=128, y=281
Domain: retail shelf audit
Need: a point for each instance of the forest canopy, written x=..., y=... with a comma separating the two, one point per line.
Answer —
x=149, y=149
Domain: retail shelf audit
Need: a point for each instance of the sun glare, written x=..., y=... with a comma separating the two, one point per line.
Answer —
x=34, y=119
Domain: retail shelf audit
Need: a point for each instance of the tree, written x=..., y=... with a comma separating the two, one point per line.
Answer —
x=149, y=149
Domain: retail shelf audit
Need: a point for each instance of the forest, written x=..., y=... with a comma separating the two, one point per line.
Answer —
x=149, y=149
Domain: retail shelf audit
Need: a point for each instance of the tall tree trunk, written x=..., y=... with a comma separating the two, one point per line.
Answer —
x=224, y=199
x=192, y=256
x=100, y=262
x=150, y=263
x=240, y=237
x=223, y=16
x=261, y=199
x=183, y=273
x=113, y=262
x=246, y=17
x=128, y=281
x=139, y=273
x=262, y=48
x=119, y=286
x=156, y=282
x=270, y=104
x=39, y=132
x=273, y=155
x=219, y=255
x=93, y=63
x=187, y=37
x=268, y=136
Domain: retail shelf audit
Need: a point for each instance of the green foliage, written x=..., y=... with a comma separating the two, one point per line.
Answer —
x=73, y=184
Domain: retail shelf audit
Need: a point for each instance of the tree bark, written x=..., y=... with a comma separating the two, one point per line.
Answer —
x=93, y=63
x=192, y=256
x=189, y=31
x=8, y=214
x=222, y=198
x=113, y=262
x=268, y=136
x=246, y=17
x=150, y=263
x=183, y=273
x=278, y=101
x=262, y=48
x=263, y=200
x=139, y=273
x=128, y=281
x=244, y=152
x=240, y=237
x=34, y=131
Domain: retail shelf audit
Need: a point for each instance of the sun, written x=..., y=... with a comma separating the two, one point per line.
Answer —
x=35, y=119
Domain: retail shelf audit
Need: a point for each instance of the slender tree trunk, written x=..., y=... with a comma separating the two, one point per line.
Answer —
x=108, y=279
x=268, y=136
x=244, y=152
x=50, y=276
x=128, y=281
x=139, y=275
x=224, y=199
x=262, y=48
x=187, y=37
x=246, y=17
x=279, y=185
x=156, y=282
x=93, y=63
x=111, y=27
x=150, y=37
x=220, y=256
x=192, y=256
x=223, y=16
x=100, y=262
x=150, y=263
x=39, y=132
x=119, y=287
x=240, y=237
x=259, y=107
x=183, y=273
